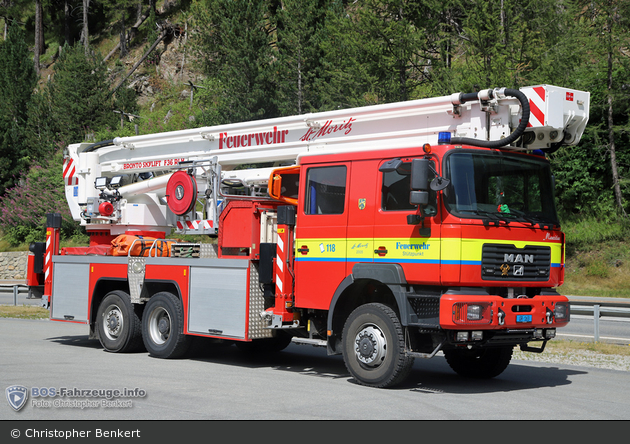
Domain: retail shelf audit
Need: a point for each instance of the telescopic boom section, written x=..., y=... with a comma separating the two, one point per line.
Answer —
x=136, y=174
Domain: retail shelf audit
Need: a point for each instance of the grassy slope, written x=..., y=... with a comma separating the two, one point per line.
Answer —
x=598, y=258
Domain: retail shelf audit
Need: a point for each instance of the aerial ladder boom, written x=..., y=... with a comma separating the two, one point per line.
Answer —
x=154, y=181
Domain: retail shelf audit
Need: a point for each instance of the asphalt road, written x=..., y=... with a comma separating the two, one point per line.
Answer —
x=301, y=383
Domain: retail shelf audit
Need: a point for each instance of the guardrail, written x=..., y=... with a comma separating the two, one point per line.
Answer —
x=600, y=308
x=16, y=289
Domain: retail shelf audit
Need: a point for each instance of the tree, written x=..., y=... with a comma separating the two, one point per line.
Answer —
x=17, y=81
x=345, y=81
x=399, y=46
x=503, y=43
x=80, y=101
x=300, y=31
x=121, y=10
x=605, y=23
x=39, y=34
x=85, y=31
x=234, y=44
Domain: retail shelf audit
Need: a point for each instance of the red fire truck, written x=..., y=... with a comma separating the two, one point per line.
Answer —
x=383, y=233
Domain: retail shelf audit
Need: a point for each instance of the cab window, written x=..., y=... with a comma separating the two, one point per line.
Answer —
x=396, y=187
x=325, y=190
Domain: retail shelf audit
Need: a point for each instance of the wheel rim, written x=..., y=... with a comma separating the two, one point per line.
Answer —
x=113, y=322
x=370, y=346
x=159, y=326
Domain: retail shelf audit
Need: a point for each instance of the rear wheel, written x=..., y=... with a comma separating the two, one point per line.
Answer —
x=481, y=363
x=163, y=327
x=374, y=346
x=117, y=325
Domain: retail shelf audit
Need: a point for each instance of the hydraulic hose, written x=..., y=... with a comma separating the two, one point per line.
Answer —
x=518, y=132
x=98, y=145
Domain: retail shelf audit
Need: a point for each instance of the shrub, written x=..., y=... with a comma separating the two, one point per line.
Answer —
x=24, y=207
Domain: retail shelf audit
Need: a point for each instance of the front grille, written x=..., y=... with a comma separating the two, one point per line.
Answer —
x=502, y=262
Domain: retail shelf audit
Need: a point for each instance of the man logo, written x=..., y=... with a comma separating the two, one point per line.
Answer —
x=17, y=396
x=519, y=270
x=518, y=258
x=504, y=269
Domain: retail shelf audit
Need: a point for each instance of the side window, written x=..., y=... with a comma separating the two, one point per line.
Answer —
x=396, y=187
x=325, y=190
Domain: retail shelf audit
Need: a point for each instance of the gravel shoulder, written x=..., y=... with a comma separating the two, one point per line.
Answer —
x=584, y=358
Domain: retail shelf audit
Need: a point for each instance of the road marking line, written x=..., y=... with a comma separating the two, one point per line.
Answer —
x=592, y=336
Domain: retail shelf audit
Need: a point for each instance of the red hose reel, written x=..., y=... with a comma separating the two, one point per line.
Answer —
x=181, y=193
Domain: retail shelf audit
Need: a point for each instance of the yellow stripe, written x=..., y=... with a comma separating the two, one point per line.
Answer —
x=421, y=248
x=431, y=249
x=322, y=249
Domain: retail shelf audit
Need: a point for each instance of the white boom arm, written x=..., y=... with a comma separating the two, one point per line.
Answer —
x=555, y=116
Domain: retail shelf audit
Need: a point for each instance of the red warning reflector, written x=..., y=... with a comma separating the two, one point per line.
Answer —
x=181, y=193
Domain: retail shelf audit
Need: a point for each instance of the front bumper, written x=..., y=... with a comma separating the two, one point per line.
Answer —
x=487, y=312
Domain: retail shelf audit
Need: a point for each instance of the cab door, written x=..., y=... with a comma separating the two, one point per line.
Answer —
x=363, y=202
x=416, y=247
x=321, y=232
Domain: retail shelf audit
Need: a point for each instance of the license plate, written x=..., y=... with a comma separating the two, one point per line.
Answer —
x=523, y=318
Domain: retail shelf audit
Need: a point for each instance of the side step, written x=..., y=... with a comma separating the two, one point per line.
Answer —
x=309, y=341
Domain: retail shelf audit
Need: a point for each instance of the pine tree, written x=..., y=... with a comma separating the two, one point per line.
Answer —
x=80, y=101
x=17, y=81
x=300, y=31
x=234, y=44
x=607, y=23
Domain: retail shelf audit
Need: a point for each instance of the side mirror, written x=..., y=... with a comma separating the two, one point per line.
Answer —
x=419, y=182
x=439, y=183
x=419, y=174
x=419, y=198
x=283, y=184
x=390, y=166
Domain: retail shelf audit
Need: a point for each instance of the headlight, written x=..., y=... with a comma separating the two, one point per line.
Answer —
x=472, y=313
x=561, y=311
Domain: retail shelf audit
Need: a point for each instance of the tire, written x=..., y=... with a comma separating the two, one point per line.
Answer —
x=479, y=364
x=118, y=326
x=374, y=346
x=163, y=327
x=266, y=345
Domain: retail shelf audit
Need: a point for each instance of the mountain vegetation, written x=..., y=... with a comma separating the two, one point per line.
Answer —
x=75, y=70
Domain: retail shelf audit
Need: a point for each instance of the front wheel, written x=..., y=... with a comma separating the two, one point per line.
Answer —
x=374, y=346
x=118, y=326
x=479, y=363
x=163, y=327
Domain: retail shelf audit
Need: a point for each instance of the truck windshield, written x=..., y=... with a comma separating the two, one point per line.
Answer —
x=497, y=186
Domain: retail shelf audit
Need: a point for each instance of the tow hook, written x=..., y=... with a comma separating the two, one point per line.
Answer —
x=549, y=317
x=501, y=316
